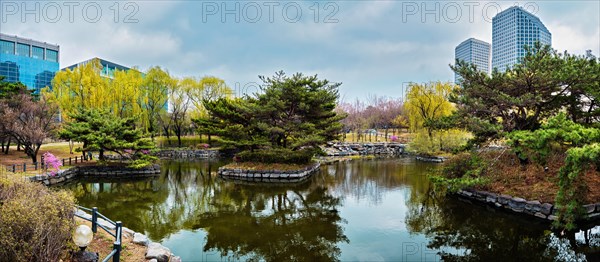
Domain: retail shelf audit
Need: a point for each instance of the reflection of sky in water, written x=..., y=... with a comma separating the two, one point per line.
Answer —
x=380, y=234
x=383, y=212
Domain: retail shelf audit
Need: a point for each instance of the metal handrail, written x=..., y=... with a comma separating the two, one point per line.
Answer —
x=110, y=255
x=116, y=252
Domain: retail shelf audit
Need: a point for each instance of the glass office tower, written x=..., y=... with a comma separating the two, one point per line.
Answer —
x=512, y=30
x=108, y=68
x=473, y=51
x=30, y=62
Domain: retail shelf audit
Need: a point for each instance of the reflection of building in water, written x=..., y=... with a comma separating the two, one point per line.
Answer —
x=30, y=62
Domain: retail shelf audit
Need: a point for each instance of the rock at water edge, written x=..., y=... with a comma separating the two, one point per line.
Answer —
x=140, y=239
x=156, y=250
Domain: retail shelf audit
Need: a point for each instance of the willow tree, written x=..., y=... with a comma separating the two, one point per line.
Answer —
x=126, y=94
x=154, y=90
x=209, y=88
x=426, y=103
x=81, y=87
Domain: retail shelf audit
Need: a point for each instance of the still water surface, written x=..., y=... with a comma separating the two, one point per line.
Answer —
x=365, y=210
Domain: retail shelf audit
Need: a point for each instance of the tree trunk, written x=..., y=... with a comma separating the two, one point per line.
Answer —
x=32, y=151
x=101, y=155
x=7, y=146
x=168, y=135
x=178, y=134
x=71, y=145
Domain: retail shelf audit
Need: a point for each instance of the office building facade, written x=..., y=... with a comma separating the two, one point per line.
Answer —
x=512, y=30
x=30, y=62
x=108, y=68
x=473, y=51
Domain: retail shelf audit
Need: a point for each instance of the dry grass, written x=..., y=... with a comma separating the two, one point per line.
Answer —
x=508, y=176
x=103, y=244
x=59, y=149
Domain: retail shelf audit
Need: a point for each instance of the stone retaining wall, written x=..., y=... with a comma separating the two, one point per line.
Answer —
x=96, y=172
x=186, y=154
x=268, y=175
x=544, y=211
x=348, y=149
x=433, y=159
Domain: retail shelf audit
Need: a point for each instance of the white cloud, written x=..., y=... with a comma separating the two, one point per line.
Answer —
x=573, y=39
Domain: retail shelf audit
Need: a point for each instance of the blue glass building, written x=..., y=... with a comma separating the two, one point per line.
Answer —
x=512, y=30
x=108, y=68
x=473, y=51
x=30, y=62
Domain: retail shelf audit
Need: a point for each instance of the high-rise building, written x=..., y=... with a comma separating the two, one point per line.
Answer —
x=30, y=62
x=512, y=30
x=473, y=51
x=108, y=68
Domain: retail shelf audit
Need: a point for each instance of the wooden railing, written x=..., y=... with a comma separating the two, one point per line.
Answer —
x=35, y=166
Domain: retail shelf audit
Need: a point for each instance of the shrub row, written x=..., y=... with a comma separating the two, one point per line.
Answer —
x=282, y=156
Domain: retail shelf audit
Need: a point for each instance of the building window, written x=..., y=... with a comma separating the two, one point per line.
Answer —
x=23, y=50
x=37, y=52
x=51, y=55
x=7, y=47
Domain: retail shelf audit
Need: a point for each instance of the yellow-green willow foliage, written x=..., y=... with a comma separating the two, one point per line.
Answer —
x=82, y=87
x=427, y=102
x=128, y=94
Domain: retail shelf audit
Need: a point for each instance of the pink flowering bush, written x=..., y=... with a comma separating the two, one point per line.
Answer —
x=52, y=161
x=394, y=138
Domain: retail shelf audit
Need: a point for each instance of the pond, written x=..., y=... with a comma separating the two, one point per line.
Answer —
x=364, y=210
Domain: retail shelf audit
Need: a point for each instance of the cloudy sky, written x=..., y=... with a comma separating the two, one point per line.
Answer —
x=372, y=47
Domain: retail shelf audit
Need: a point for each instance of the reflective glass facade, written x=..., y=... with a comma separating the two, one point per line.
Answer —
x=473, y=51
x=512, y=30
x=108, y=68
x=27, y=61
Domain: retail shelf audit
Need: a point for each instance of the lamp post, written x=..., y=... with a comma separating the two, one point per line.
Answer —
x=82, y=237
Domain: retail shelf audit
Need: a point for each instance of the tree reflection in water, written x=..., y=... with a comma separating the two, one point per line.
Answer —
x=274, y=223
x=307, y=221
x=463, y=231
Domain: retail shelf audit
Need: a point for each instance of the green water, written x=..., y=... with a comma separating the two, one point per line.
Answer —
x=365, y=210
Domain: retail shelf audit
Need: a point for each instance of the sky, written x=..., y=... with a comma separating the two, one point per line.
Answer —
x=374, y=48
